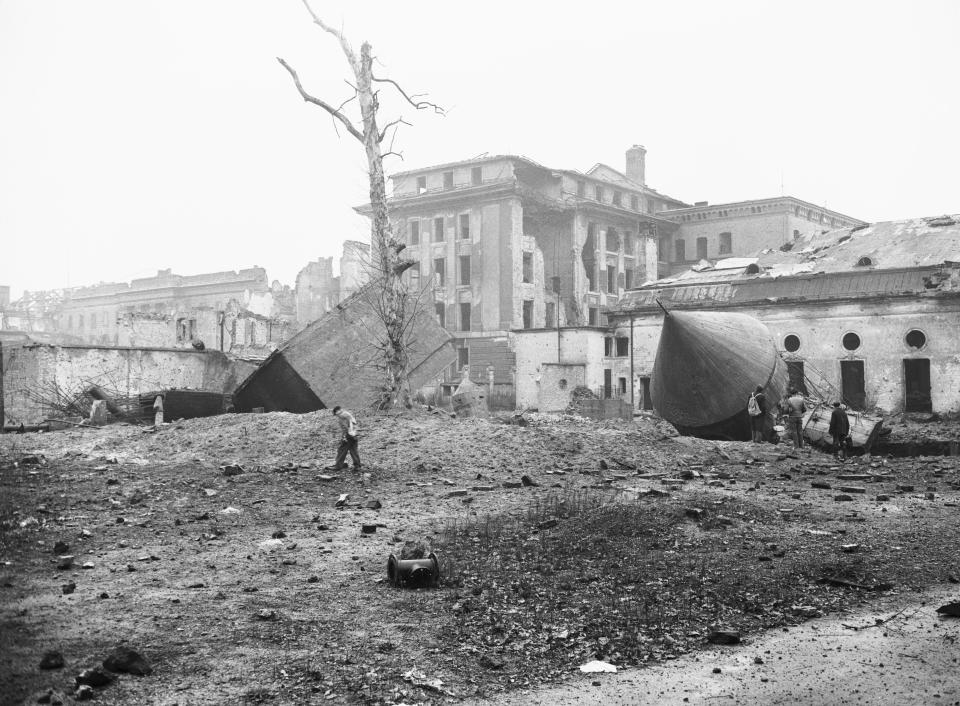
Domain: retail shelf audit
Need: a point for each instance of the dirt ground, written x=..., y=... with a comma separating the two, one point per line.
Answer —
x=258, y=588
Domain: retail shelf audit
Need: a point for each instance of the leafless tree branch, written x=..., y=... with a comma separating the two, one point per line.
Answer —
x=316, y=101
x=418, y=104
x=344, y=44
x=383, y=133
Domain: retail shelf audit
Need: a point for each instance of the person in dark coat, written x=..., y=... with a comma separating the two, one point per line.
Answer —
x=348, y=441
x=757, y=420
x=839, y=430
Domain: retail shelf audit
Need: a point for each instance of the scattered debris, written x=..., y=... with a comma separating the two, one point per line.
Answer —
x=723, y=637
x=127, y=661
x=951, y=609
x=51, y=660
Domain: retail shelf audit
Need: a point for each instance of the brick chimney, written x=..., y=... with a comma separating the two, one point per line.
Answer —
x=637, y=164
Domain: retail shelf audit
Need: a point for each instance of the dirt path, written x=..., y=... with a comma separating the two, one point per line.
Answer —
x=913, y=657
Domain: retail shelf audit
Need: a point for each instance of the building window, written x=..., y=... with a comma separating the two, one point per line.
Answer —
x=598, y=193
x=476, y=176
x=617, y=198
x=651, y=206
x=628, y=279
x=440, y=271
x=622, y=386
x=612, y=279
x=701, y=248
x=438, y=230
x=448, y=180
x=628, y=243
x=528, y=313
x=916, y=339
x=593, y=316
x=680, y=251
x=421, y=184
x=635, y=203
x=185, y=329
x=464, y=226
x=791, y=343
x=613, y=240
x=581, y=189
x=726, y=243
x=465, y=316
x=441, y=313
x=464, y=269
x=527, y=277
x=623, y=346
x=851, y=341
x=414, y=274
x=607, y=347
x=414, y=232
x=463, y=357
x=550, y=315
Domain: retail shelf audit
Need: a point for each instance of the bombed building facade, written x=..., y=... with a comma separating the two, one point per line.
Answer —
x=868, y=314
x=506, y=243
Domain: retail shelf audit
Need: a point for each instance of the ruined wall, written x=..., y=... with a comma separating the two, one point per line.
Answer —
x=533, y=349
x=33, y=369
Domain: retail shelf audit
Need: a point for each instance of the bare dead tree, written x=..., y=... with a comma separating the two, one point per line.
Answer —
x=394, y=306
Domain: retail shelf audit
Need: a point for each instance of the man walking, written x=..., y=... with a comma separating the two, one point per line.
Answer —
x=839, y=429
x=757, y=409
x=795, y=410
x=348, y=442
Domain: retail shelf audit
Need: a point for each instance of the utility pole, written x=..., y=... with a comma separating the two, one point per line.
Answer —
x=633, y=381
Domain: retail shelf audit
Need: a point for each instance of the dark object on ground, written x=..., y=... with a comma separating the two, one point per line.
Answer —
x=68, y=588
x=126, y=661
x=951, y=609
x=51, y=660
x=84, y=692
x=368, y=529
x=414, y=573
x=528, y=481
x=723, y=637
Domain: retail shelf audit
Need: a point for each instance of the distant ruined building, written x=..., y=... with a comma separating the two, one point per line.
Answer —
x=239, y=313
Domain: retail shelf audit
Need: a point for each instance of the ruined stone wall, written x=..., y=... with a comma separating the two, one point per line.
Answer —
x=33, y=369
x=533, y=349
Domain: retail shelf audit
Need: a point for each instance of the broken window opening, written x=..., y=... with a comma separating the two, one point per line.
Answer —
x=617, y=198
x=464, y=269
x=796, y=377
x=635, y=203
x=439, y=310
x=528, y=313
x=476, y=176
x=421, y=184
x=593, y=315
x=439, y=272
x=726, y=243
x=607, y=347
x=628, y=279
x=612, y=279
x=622, y=386
x=415, y=232
x=589, y=256
x=791, y=343
x=527, y=274
x=448, y=180
x=550, y=315
x=613, y=240
x=463, y=357
x=464, y=316
x=464, y=226
x=598, y=193
x=438, y=230
x=701, y=248
x=623, y=346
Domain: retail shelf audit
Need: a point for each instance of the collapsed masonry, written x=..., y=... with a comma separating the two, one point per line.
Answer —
x=336, y=361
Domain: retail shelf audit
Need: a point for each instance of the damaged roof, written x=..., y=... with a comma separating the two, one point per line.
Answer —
x=889, y=258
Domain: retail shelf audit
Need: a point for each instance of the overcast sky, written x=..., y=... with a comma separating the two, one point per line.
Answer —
x=138, y=135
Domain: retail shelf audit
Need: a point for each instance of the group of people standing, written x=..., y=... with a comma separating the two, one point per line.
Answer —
x=793, y=407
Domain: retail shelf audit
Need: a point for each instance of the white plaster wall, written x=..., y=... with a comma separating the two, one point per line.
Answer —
x=533, y=348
